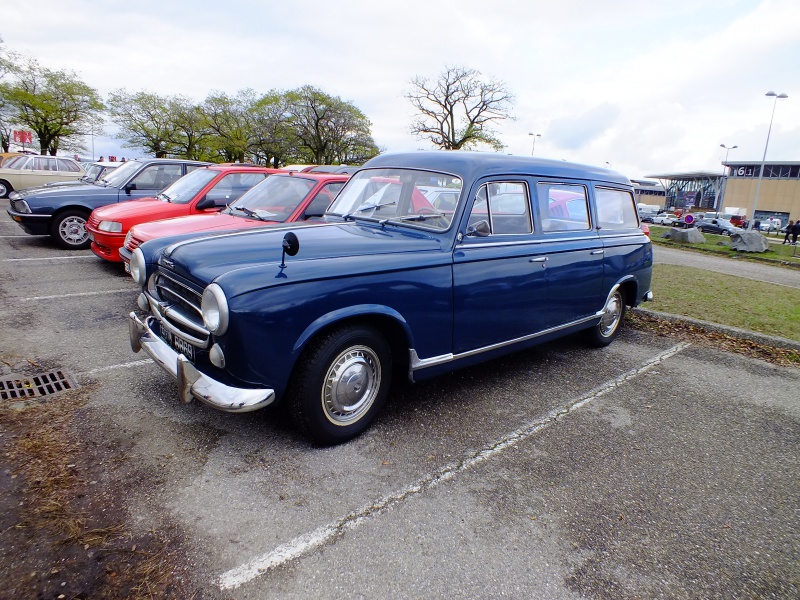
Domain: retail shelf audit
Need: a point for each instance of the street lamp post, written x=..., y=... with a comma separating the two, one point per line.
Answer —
x=776, y=97
x=721, y=198
x=535, y=135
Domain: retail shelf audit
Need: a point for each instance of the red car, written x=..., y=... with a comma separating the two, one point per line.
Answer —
x=282, y=198
x=205, y=190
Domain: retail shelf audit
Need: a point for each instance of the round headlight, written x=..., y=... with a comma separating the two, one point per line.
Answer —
x=110, y=226
x=138, y=267
x=215, y=309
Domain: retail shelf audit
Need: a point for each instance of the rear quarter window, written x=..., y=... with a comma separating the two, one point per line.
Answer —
x=616, y=209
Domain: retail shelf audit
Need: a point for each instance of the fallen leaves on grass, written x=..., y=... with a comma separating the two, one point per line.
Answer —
x=691, y=332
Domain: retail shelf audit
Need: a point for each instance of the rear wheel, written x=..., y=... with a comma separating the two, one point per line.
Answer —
x=342, y=382
x=610, y=323
x=5, y=188
x=69, y=230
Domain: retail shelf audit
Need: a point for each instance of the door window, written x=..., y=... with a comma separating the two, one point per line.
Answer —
x=501, y=207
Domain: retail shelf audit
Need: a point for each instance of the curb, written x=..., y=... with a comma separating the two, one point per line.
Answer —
x=761, y=338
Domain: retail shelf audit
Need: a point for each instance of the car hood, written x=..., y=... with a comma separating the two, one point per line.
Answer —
x=46, y=194
x=194, y=224
x=140, y=209
x=244, y=260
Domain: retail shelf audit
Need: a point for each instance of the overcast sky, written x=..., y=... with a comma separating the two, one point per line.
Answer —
x=647, y=86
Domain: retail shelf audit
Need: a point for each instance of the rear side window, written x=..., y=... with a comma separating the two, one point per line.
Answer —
x=615, y=209
x=563, y=206
x=67, y=165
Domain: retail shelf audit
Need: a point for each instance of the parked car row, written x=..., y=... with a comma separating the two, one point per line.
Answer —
x=317, y=290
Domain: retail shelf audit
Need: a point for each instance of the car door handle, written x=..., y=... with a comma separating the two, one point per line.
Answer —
x=593, y=252
x=539, y=259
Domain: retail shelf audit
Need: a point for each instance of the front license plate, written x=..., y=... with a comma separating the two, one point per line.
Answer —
x=178, y=344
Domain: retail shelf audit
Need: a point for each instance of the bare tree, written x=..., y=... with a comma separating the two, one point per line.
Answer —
x=457, y=108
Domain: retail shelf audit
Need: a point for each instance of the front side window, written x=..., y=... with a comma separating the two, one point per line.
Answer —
x=616, y=209
x=563, y=207
x=157, y=177
x=324, y=198
x=501, y=207
x=395, y=195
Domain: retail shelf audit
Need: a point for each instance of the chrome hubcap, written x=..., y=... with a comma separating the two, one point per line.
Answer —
x=351, y=385
x=611, y=315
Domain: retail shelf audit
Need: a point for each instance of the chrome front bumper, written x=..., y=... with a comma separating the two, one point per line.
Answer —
x=191, y=382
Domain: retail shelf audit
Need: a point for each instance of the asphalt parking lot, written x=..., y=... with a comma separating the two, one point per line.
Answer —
x=650, y=469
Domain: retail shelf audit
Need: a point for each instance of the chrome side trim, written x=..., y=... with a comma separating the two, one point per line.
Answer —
x=417, y=363
x=191, y=382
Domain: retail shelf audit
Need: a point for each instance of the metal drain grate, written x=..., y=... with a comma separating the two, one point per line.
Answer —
x=44, y=384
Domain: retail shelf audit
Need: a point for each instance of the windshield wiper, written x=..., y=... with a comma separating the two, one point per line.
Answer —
x=374, y=206
x=163, y=196
x=250, y=213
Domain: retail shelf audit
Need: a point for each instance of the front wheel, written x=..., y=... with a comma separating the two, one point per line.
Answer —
x=69, y=230
x=5, y=189
x=610, y=323
x=341, y=384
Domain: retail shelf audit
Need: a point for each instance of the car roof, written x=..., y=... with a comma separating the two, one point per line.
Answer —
x=242, y=168
x=470, y=165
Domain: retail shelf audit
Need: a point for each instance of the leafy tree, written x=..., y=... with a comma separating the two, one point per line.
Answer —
x=228, y=120
x=272, y=137
x=56, y=105
x=329, y=129
x=190, y=135
x=144, y=119
x=457, y=108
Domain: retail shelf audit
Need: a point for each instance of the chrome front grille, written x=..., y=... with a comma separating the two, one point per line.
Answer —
x=179, y=308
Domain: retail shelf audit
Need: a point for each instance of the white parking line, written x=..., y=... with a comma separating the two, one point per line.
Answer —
x=312, y=540
x=77, y=294
x=50, y=258
x=128, y=365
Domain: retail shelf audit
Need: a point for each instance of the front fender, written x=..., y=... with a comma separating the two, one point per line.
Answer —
x=350, y=312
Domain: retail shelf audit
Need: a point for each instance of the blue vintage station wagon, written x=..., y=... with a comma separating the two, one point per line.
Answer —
x=391, y=283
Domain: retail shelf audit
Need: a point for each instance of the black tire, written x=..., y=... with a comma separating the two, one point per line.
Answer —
x=5, y=188
x=342, y=381
x=607, y=330
x=69, y=230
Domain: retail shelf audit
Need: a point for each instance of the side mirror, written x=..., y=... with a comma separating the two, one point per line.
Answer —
x=479, y=229
x=130, y=186
x=205, y=204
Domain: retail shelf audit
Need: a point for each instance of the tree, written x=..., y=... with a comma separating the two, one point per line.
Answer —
x=190, y=135
x=329, y=129
x=56, y=105
x=227, y=118
x=457, y=108
x=144, y=119
x=273, y=140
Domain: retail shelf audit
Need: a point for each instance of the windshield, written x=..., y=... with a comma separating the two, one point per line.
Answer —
x=397, y=195
x=187, y=187
x=92, y=171
x=274, y=199
x=121, y=174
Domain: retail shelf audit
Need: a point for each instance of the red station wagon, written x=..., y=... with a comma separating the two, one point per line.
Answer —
x=282, y=198
x=205, y=190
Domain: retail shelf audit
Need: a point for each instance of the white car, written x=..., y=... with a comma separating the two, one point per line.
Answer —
x=665, y=219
